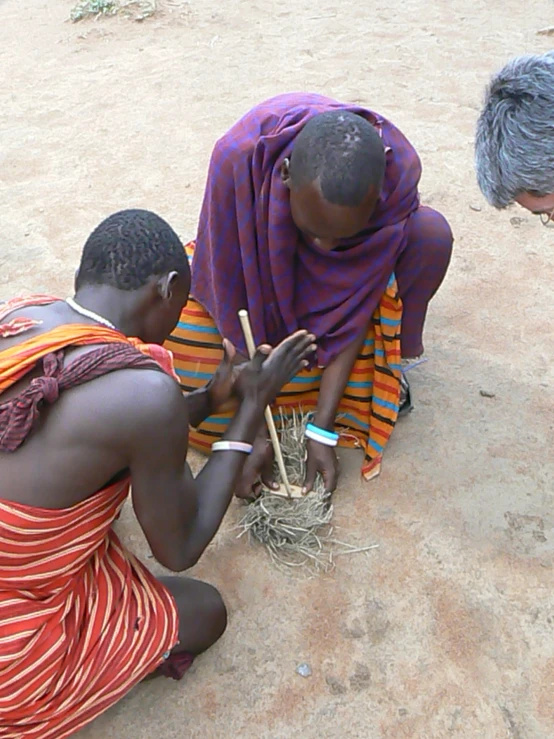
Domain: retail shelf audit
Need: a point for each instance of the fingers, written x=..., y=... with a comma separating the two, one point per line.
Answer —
x=250, y=494
x=259, y=464
x=309, y=482
x=260, y=356
x=229, y=351
x=250, y=474
x=304, y=347
x=291, y=354
x=296, y=363
x=246, y=483
x=268, y=472
x=286, y=361
x=321, y=460
x=298, y=345
x=330, y=478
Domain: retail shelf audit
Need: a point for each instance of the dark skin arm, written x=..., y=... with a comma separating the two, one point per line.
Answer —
x=333, y=383
x=199, y=405
x=258, y=469
x=205, y=401
x=321, y=458
x=179, y=514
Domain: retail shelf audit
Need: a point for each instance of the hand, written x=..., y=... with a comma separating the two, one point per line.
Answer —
x=220, y=387
x=262, y=378
x=258, y=470
x=323, y=459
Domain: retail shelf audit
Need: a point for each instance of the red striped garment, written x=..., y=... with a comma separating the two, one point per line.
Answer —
x=81, y=619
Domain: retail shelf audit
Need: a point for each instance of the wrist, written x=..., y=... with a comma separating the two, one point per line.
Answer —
x=247, y=421
x=251, y=405
x=321, y=436
x=325, y=420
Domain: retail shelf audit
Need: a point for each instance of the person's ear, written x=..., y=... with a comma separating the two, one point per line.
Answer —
x=285, y=172
x=166, y=284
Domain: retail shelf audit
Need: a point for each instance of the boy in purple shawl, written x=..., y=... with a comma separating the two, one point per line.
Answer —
x=311, y=212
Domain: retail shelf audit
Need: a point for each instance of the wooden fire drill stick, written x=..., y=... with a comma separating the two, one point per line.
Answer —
x=250, y=345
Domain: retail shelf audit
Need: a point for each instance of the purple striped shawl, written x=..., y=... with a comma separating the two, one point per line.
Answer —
x=249, y=254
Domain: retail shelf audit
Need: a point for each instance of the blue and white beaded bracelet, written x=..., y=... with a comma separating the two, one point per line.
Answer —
x=329, y=438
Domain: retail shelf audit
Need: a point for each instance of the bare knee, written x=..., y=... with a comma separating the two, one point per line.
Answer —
x=202, y=613
x=209, y=619
x=216, y=614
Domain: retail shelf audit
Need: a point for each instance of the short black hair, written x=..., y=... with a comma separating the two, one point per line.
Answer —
x=343, y=152
x=129, y=248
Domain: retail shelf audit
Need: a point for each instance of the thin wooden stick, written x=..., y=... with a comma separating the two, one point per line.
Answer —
x=250, y=345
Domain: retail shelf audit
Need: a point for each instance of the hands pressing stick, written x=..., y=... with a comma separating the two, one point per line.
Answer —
x=292, y=491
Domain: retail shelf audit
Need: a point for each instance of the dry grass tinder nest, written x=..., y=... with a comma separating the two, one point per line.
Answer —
x=296, y=532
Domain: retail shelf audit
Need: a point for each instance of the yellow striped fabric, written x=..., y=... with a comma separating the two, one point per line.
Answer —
x=368, y=409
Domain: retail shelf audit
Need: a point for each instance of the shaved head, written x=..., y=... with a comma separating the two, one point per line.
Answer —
x=342, y=153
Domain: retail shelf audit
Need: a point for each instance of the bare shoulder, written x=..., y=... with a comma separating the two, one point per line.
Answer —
x=142, y=395
x=125, y=407
x=126, y=419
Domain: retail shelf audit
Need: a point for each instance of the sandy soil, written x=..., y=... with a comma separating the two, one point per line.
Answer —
x=447, y=629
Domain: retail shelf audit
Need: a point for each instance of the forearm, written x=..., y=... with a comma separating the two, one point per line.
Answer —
x=178, y=514
x=333, y=383
x=186, y=513
x=199, y=405
x=217, y=481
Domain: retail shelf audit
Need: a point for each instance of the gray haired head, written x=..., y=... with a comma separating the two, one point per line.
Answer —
x=514, y=145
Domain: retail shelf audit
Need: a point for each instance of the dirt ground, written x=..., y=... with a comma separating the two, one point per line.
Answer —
x=447, y=629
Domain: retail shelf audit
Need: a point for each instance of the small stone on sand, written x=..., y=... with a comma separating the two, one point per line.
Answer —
x=304, y=670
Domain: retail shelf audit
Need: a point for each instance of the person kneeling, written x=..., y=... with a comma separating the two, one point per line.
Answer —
x=89, y=409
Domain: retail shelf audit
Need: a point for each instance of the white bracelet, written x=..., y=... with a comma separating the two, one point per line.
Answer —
x=314, y=436
x=232, y=446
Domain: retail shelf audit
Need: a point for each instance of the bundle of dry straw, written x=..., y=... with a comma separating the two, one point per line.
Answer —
x=295, y=531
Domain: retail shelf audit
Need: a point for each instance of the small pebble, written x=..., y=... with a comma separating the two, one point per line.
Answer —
x=516, y=221
x=335, y=685
x=476, y=208
x=304, y=670
x=487, y=394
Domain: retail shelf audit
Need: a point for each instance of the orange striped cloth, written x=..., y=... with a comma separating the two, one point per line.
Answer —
x=81, y=619
x=16, y=361
x=368, y=409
